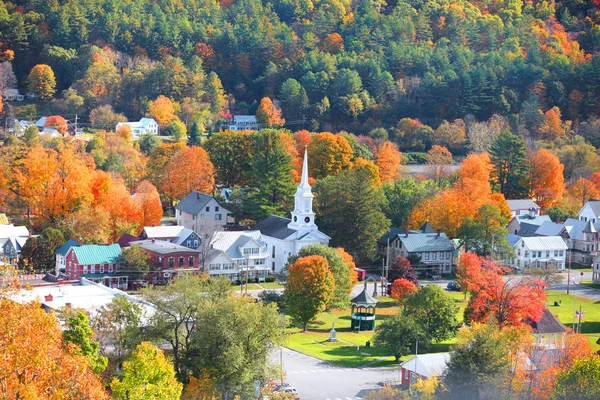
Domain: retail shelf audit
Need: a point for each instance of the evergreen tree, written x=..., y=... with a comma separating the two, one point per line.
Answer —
x=272, y=176
x=194, y=135
x=510, y=173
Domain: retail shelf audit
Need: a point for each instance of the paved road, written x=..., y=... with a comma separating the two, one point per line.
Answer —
x=318, y=380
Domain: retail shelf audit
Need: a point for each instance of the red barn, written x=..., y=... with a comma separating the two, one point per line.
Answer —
x=170, y=259
x=423, y=366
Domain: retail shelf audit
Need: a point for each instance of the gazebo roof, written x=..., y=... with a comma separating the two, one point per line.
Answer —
x=364, y=299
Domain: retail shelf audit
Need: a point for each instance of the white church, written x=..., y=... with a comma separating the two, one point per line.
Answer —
x=285, y=237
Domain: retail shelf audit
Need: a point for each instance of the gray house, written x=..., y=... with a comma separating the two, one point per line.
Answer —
x=172, y=233
x=198, y=210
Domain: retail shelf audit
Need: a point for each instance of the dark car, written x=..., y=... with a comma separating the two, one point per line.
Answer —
x=454, y=286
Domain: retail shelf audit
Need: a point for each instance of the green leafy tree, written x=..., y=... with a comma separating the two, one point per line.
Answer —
x=581, y=381
x=147, y=375
x=230, y=152
x=484, y=230
x=510, y=173
x=177, y=130
x=403, y=196
x=135, y=262
x=215, y=94
x=38, y=253
x=342, y=272
x=350, y=209
x=399, y=334
x=31, y=135
x=435, y=311
x=293, y=98
x=77, y=331
x=308, y=289
x=271, y=176
x=148, y=142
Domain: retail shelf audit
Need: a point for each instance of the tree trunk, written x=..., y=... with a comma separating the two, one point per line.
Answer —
x=305, y=325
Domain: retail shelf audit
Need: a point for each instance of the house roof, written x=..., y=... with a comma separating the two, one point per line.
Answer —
x=244, y=118
x=195, y=202
x=3, y=219
x=183, y=235
x=162, y=247
x=17, y=242
x=126, y=239
x=427, y=364
x=41, y=122
x=146, y=121
x=64, y=249
x=364, y=298
x=527, y=229
x=512, y=239
x=166, y=231
x=391, y=234
x=537, y=220
x=10, y=230
x=575, y=228
x=229, y=242
x=89, y=254
x=420, y=242
x=595, y=206
x=544, y=243
x=549, y=228
x=548, y=324
x=589, y=228
x=521, y=204
x=276, y=227
x=427, y=228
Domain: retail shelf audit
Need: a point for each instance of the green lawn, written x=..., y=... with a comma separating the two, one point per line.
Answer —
x=271, y=285
x=591, y=284
x=251, y=286
x=590, y=325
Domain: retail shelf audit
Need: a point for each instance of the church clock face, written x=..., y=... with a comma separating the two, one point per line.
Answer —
x=307, y=220
x=295, y=219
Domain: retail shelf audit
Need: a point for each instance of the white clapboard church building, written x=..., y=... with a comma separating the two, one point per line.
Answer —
x=284, y=236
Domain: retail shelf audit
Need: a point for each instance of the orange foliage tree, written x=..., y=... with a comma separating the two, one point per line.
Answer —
x=437, y=158
x=547, y=179
x=303, y=140
x=162, y=110
x=402, y=289
x=124, y=212
x=289, y=144
x=36, y=363
x=57, y=122
x=148, y=200
x=582, y=190
x=388, y=161
x=333, y=43
x=268, y=114
x=328, y=154
x=189, y=169
x=553, y=127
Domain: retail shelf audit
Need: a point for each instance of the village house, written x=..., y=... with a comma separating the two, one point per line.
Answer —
x=97, y=263
x=520, y=207
x=541, y=252
x=61, y=255
x=243, y=123
x=434, y=250
x=169, y=259
x=12, y=239
x=423, y=366
x=12, y=95
x=172, y=233
x=145, y=126
x=198, y=210
x=526, y=224
x=236, y=255
x=284, y=237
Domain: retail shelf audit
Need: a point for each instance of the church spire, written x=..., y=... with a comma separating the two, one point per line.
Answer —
x=303, y=217
x=304, y=180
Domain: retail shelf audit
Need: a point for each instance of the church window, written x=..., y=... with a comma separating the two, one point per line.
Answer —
x=273, y=253
x=307, y=220
x=295, y=219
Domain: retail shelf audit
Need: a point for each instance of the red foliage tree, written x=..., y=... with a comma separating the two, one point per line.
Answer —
x=401, y=269
x=402, y=289
x=56, y=122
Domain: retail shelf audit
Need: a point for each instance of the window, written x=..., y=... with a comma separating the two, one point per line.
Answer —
x=273, y=253
x=255, y=250
x=93, y=269
x=110, y=268
x=171, y=262
x=259, y=261
x=526, y=253
x=539, y=253
x=561, y=253
x=216, y=209
x=555, y=253
x=207, y=209
x=522, y=243
x=188, y=243
x=533, y=253
x=406, y=374
x=548, y=253
x=195, y=243
x=228, y=266
x=214, y=267
x=247, y=251
x=519, y=263
x=218, y=217
x=273, y=265
x=160, y=260
x=448, y=255
x=191, y=262
x=181, y=262
x=413, y=378
x=102, y=269
x=85, y=269
x=434, y=256
x=427, y=256
x=519, y=252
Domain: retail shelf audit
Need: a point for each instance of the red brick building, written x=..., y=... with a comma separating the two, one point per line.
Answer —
x=170, y=259
x=96, y=262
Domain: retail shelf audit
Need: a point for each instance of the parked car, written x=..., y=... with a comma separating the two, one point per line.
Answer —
x=454, y=286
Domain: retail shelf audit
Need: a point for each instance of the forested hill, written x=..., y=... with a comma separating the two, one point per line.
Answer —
x=355, y=65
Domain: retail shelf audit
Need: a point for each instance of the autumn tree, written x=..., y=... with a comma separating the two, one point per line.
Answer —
x=57, y=122
x=388, y=162
x=308, y=289
x=41, y=81
x=547, y=178
x=581, y=191
x=105, y=117
x=581, y=381
x=148, y=199
x=78, y=331
x=147, y=374
x=438, y=158
x=268, y=114
x=328, y=154
x=135, y=262
x=189, y=169
x=341, y=265
x=36, y=362
x=402, y=289
x=552, y=127
x=333, y=43
x=402, y=269
x=162, y=110
x=451, y=135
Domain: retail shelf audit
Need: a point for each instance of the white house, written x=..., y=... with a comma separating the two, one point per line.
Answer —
x=596, y=270
x=243, y=123
x=590, y=211
x=284, y=236
x=237, y=254
x=542, y=251
x=12, y=95
x=523, y=207
x=526, y=225
x=198, y=209
x=144, y=126
x=12, y=239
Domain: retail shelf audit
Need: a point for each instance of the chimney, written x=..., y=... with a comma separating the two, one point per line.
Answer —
x=406, y=233
x=80, y=242
x=153, y=240
x=48, y=298
x=197, y=195
x=532, y=212
x=438, y=232
x=68, y=305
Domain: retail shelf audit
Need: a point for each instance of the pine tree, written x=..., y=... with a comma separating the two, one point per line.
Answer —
x=194, y=135
x=510, y=174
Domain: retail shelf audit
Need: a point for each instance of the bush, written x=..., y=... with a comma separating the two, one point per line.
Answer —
x=270, y=278
x=272, y=296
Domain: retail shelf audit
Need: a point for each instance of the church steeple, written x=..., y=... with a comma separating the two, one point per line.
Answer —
x=303, y=217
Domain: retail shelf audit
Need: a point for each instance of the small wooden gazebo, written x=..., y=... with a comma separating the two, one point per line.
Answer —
x=363, y=311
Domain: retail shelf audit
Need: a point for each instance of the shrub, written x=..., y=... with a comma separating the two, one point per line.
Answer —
x=270, y=278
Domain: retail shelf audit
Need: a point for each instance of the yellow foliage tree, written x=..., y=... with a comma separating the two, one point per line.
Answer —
x=162, y=110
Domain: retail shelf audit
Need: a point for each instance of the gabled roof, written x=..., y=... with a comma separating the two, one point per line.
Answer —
x=521, y=204
x=64, y=249
x=3, y=219
x=195, y=202
x=229, y=242
x=545, y=243
x=126, y=239
x=589, y=228
x=527, y=229
x=276, y=227
x=391, y=234
x=146, y=121
x=41, y=122
x=162, y=247
x=10, y=230
x=512, y=239
x=162, y=231
x=364, y=298
x=550, y=229
x=17, y=242
x=183, y=235
x=420, y=242
x=575, y=228
x=89, y=254
x=427, y=228
x=537, y=220
x=548, y=324
x=594, y=205
x=427, y=364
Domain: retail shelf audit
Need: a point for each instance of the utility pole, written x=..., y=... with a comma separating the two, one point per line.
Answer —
x=416, y=354
x=569, y=274
x=75, y=124
x=387, y=262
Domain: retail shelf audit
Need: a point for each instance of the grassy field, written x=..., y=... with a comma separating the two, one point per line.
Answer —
x=591, y=284
x=271, y=285
x=590, y=326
